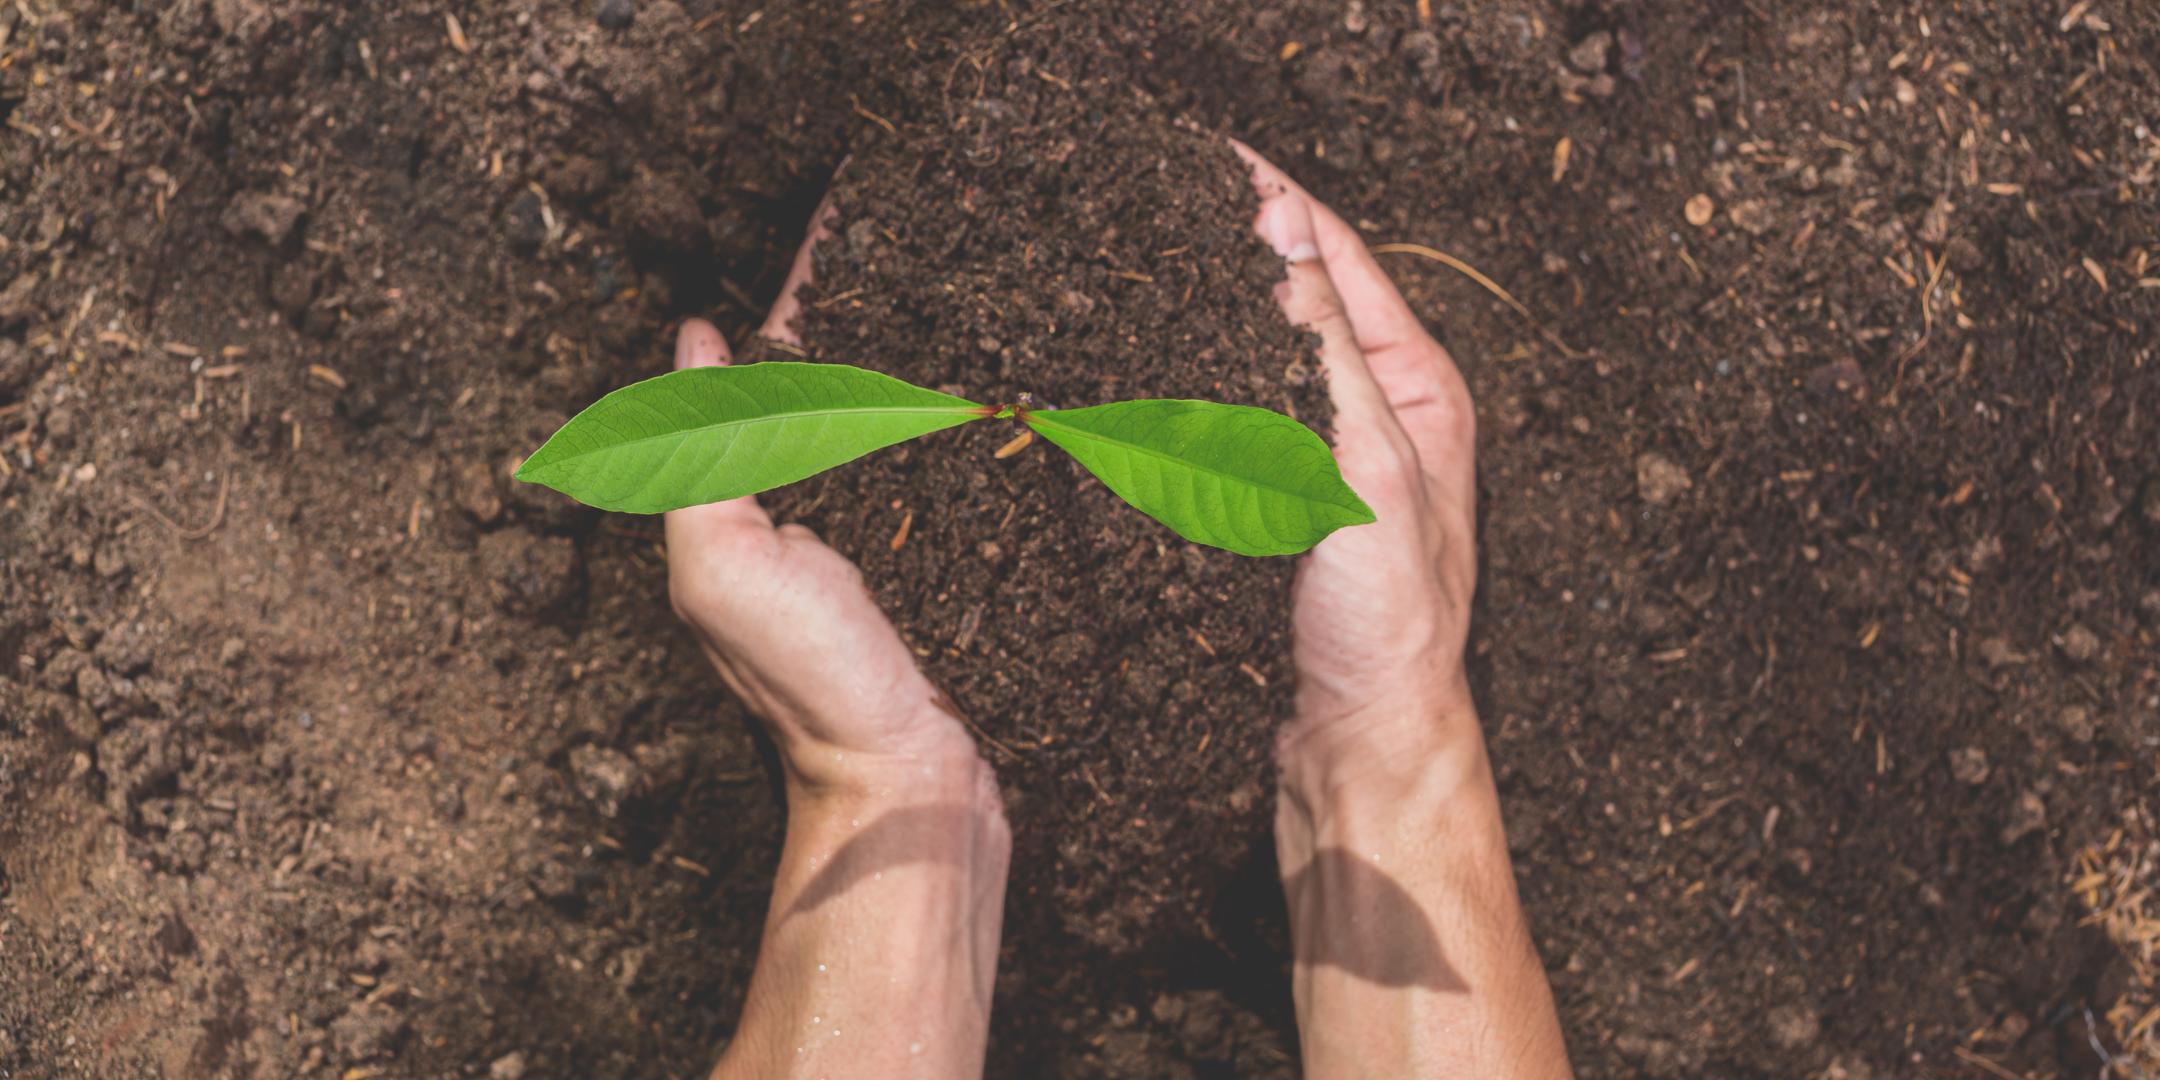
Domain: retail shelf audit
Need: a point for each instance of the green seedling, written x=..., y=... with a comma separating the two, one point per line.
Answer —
x=1229, y=476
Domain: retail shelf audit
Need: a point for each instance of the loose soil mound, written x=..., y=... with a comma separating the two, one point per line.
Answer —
x=1809, y=640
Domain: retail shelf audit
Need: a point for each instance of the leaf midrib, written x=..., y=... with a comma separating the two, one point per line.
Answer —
x=684, y=433
x=1186, y=463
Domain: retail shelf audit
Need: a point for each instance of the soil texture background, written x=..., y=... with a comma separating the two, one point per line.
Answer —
x=1820, y=522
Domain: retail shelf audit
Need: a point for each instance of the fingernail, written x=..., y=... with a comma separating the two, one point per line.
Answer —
x=1288, y=226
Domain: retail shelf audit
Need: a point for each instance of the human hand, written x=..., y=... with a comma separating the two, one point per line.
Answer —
x=1381, y=611
x=787, y=621
x=895, y=830
x=1412, y=956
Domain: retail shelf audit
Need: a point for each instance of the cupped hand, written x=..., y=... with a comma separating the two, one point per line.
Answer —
x=787, y=619
x=1381, y=611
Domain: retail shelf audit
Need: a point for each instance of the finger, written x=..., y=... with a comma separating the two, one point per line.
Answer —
x=1369, y=440
x=780, y=321
x=699, y=344
x=1383, y=318
x=1418, y=377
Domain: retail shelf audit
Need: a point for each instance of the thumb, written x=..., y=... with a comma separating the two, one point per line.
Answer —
x=699, y=344
x=1366, y=429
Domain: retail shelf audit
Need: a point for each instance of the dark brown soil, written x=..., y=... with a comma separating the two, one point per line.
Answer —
x=1809, y=643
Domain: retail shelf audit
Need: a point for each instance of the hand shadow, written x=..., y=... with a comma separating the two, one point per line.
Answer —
x=911, y=834
x=1388, y=941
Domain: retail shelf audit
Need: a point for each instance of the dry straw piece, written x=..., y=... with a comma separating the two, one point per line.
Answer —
x=2117, y=882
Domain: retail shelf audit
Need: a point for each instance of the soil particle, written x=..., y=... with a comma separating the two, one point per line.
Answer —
x=174, y=937
x=661, y=213
x=17, y=367
x=479, y=492
x=269, y=216
x=1658, y=480
x=1969, y=765
x=19, y=300
x=510, y=1066
x=1794, y=1025
x=524, y=223
x=578, y=179
x=368, y=1031
x=2027, y=816
x=1591, y=54
x=2078, y=643
x=528, y=574
x=615, y=14
x=605, y=777
x=1997, y=651
x=2076, y=722
x=1657, y=1057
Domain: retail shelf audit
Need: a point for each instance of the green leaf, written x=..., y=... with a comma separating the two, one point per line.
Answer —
x=705, y=434
x=1229, y=476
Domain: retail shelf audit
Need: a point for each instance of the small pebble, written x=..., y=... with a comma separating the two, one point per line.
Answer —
x=307, y=721
x=614, y=15
x=2079, y=643
x=511, y=1066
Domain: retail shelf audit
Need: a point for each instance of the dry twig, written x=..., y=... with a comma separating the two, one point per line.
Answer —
x=1472, y=273
x=217, y=515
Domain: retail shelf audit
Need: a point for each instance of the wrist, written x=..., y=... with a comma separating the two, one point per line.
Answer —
x=1416, y=750
x=823, y=780
x=922, y=755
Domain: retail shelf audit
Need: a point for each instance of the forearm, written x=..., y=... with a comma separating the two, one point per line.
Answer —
x=879, y=951
x=1412, y=956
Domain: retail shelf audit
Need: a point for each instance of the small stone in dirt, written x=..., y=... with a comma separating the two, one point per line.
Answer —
x=2076, y=722
x=230, y=652
x=1658, y=480
x=109, y=562
x=1793, y=1026
x=1997, y=652
x=367, y=1031
x=2078, y=643
x=660, y=213
x=174, y=936
x=2028, y=816
x=270, y=216
x=19, y=300
x=1590, y=54
x=450, y=802
x=528, y=574
x=1969, y=765
x=616, y=14
x=1753, y=215
x=1700, y=209
x=1842, y=1069
x=510, y=1066
x=1838, y=379
x=606, y=777
x=1556, y=264
x=579, y=178
x=523, y=224
x=478, y=493
x=1657, y=1057
x=15, y=366
x=292, y=289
